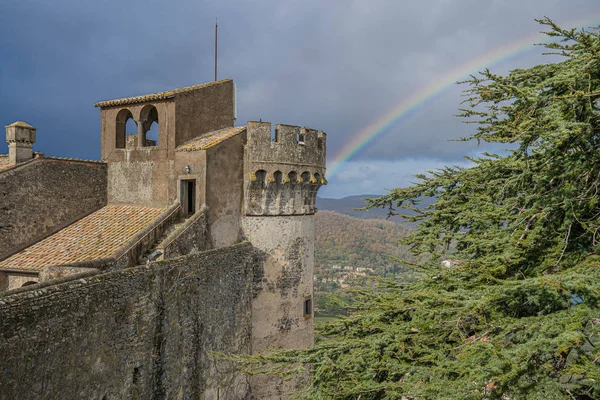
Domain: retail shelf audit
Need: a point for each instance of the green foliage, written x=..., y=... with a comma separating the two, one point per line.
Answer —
x=537, y=208
x=518, y=317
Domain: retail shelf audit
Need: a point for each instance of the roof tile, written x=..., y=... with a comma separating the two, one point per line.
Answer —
x=98, y=235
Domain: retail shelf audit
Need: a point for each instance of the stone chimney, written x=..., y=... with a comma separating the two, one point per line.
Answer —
x=20, y=137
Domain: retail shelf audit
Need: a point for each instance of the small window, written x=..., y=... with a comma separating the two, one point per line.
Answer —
x=308, y=308
x=300, y=138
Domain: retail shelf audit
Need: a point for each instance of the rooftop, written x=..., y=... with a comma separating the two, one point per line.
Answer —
x=98, y=235
x=20, y=124
x=157, y=96
x=211, y=139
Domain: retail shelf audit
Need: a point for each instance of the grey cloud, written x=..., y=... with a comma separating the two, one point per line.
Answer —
x=332, y=65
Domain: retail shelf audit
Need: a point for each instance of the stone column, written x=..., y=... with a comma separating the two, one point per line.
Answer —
x=141, y=134
x=20, y=137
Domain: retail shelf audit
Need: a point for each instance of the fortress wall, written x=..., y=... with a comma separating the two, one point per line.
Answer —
x=45, y=195
x=278, y=311
x=138, y=333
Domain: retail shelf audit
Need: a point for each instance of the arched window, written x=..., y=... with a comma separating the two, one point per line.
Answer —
x=149, y=116
x=278, y=176
x=261, y=175
x=292, y=177
x=125, y=125
x=305, y=177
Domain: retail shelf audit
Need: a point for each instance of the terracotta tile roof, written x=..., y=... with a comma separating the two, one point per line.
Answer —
x=73, y=159
x=211, y=139
x=98, y=235
x=157, y=96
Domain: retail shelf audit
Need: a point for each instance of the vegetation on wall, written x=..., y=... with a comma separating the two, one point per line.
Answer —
x=518, y=317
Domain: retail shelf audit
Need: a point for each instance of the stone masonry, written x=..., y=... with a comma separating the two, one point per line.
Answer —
x=120, y=277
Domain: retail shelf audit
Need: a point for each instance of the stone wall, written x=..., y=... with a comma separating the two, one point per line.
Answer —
x=278, y=315
x=189, y=237
x=200, y=111
x=138, y=333
x=224, y=189
x=45, y=195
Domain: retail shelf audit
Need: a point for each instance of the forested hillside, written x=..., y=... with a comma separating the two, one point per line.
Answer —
x=349, y=241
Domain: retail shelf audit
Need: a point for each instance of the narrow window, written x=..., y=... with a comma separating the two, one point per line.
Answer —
x=307, y=308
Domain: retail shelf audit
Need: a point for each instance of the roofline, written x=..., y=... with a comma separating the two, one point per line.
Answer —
x=169, y=94
x=21, y=271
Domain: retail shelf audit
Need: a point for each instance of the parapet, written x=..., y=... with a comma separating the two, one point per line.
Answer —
x=289, y=145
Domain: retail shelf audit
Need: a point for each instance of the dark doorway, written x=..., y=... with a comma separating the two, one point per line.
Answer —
x=188, y=197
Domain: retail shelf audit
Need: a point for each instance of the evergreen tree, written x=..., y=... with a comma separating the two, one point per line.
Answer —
x=518, y=317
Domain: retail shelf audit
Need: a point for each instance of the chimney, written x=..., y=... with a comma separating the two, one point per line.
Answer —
x=20, y=137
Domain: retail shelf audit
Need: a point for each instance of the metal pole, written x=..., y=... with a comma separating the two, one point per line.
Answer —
x=216, y=45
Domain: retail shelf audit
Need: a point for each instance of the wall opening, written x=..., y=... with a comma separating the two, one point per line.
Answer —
x=187, y=196
x=308, y=307
x=28, y=283
x=261, y=176
x=274, y=133
x=131, y=127
x=300, y=138
x=125, y=125
x=152, y=135
x=150, y=125
x=293, y=177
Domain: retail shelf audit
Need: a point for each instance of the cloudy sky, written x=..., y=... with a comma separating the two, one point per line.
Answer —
x=339, y=66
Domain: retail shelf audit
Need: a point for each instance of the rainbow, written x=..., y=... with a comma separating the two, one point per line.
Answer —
x=363, y=138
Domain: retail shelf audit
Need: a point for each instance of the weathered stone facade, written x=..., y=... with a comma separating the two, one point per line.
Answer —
x=139, y=333
x=44, y=195
x=93, y=327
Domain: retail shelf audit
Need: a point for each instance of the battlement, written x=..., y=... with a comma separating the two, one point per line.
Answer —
x=289, y=144
x=284, y=171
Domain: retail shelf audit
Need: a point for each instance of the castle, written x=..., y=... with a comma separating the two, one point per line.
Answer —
x=120, y=277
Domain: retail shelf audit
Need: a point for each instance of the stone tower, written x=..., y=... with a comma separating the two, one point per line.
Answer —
x=283, y=173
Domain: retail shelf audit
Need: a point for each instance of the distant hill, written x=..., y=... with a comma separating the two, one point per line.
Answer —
x=348, y=204
x=346, y=240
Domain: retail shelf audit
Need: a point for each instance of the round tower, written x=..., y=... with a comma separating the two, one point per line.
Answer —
x=283, y=173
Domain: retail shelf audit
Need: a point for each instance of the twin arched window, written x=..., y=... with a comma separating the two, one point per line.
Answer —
x=126, y=125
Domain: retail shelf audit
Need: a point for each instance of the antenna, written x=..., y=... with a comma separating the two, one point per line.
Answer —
x=216, y=44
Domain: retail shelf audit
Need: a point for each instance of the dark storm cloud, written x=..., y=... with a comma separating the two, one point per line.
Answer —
x=331, y=65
